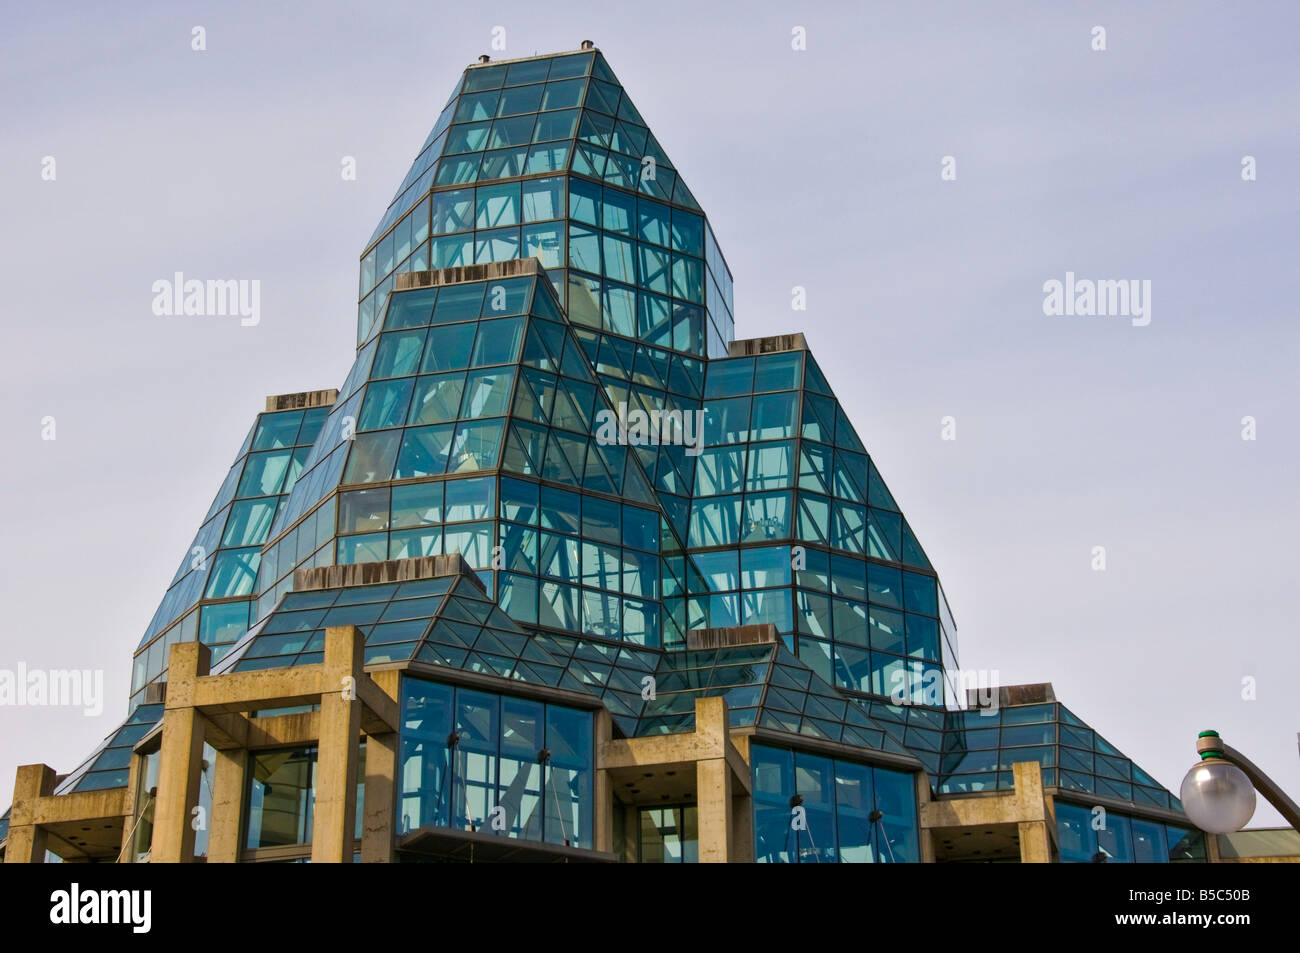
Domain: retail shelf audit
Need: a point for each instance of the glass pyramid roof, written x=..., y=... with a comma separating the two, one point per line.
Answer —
x=980, y=748
x=468, y=412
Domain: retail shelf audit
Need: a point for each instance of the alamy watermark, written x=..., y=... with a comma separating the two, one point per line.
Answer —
x=53, y=688
x=1124, y=297
x=918, y=684
x=222, y=297
x=640, y=428
x=75, y=906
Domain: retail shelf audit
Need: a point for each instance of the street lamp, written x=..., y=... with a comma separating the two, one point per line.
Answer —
x=1218, y=793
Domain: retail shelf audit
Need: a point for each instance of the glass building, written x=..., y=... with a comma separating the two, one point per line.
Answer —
x=620, y=587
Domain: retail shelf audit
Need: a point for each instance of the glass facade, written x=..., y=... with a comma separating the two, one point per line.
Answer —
x=669, y=835
x=480, y=761
x=980, y=748
x=282, y=793
x=813, y=809
x=1099, y=836
x=556, y=272
x=549, y=159
x=210, y=597
x=281, y=797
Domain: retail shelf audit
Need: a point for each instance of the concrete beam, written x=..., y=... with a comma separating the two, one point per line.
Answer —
x=1026, y=807
x=283, y=731
x=379, y=713
x=248, y=691
x=1025, y=803
x=619, y=753
x=81, y=806
x=226, y=730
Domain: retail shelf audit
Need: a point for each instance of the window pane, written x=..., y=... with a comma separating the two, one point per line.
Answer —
x=424, y=451
x=448, y=348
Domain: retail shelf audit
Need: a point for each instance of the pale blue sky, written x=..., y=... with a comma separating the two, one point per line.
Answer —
x=817, y=168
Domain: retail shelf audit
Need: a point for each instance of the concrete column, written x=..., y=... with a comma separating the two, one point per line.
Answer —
x=338, y=752
x=926, y=835
x=379, y=813
x=713, y=802
x=742, y=813
x=377, y=825
x=631, y=846
x=742, y=829
x=603, y=830
x=1212, y=852
x=28, y=841
x=228, y=783
x=1035, y=843
x=713, y=782
x=1035, y=838
x=134, y=803
x=180, y=765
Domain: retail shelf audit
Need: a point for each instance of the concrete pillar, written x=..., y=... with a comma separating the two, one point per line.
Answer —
x=180, y=765
x=27, y=841
x=631, y=846
x=926, y=835
x=713, y=783
x=377, y=827
x=1035, y=838
x=742, y=829
x=379, y=812
x=228, y=784
x=1212, y=853
x=133, y=804
x=713, y=786
x=742, y=812
x=338, y=752
x=603, y=831
x=1035, y=843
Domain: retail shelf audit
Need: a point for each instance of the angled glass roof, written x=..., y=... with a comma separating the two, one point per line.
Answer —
x=447, y=622
x=979, y=750
x=544, y=114
x=109, y=766
x=210, y=598
x=764, y=685
x=601, y=205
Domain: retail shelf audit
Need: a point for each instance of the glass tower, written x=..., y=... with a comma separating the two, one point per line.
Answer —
x=542, y=271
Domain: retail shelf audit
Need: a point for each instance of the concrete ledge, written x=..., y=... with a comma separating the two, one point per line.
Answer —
x=302, y=400
x=516, y=268
x=729, y=636
x=391, y=570
x=768, y=345
x=1012, y=696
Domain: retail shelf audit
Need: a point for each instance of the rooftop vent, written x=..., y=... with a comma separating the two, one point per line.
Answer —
x=485, y=58
x=588, y=45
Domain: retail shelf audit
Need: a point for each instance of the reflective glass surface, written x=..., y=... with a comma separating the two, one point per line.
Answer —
x=481, y=761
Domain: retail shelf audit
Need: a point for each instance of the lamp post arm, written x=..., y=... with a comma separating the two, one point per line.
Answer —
x=1265, y=786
